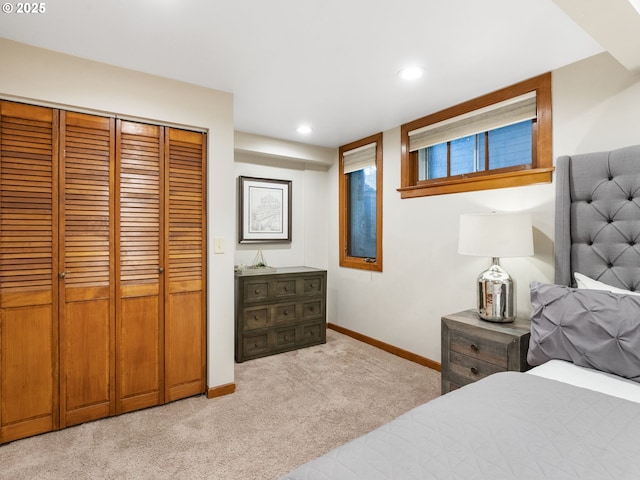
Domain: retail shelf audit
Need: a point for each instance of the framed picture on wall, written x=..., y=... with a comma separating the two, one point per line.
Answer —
x=265, y=210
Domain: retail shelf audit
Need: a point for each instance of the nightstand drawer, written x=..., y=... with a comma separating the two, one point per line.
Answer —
x=465, y=369
x=478, y=347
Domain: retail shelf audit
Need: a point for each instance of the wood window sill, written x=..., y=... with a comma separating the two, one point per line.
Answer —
x=486, y=182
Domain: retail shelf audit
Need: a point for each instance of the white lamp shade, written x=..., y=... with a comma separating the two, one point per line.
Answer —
x=496, y=235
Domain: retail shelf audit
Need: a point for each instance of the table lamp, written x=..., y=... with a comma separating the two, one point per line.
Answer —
x=496, y=235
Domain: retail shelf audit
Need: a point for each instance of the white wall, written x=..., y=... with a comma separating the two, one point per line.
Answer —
x=596, y=103
x=37, y=75
x=423, y=276
x=309, y=240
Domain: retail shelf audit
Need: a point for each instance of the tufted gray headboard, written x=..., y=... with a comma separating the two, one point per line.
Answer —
x=597, y=225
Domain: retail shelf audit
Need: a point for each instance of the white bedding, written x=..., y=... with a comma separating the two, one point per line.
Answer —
x=587, y=378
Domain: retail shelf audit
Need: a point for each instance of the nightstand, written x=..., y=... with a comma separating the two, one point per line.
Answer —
x=473, y=348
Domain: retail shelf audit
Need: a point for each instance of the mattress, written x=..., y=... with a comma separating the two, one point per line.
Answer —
x=510, y=425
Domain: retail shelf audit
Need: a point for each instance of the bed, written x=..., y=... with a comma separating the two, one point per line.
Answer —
x=576, y=414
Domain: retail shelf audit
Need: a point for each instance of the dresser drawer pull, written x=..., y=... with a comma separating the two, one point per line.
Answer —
x=474, y=370
x=256, y=317
x=256, y=291
x=474, y=347
x=286, y=312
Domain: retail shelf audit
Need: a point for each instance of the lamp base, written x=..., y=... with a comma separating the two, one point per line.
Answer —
x=496, y=295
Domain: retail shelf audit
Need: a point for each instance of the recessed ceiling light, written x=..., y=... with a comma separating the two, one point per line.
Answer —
x=636, y=4
x=410, y=73
x=304, y=129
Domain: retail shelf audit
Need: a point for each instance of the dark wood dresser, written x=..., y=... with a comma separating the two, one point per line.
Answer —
x=279, y=311
x=473, y=348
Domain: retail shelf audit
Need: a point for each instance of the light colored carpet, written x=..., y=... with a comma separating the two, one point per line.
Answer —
x=287, y=409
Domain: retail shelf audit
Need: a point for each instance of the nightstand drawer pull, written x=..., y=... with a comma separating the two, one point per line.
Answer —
x=474, y=370
x=474, y=347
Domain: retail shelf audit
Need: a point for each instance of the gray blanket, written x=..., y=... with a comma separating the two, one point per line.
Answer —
x=507, y=426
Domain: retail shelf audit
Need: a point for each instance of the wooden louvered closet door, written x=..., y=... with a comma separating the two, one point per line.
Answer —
x=87, y=314
x=103, y=267
x=185, y=260
x=28, y=262
x=140, y=319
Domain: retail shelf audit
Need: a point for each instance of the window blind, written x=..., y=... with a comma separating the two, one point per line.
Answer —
x=499, y=114
x=359, y=158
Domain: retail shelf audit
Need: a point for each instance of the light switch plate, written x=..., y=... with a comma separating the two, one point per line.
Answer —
x=218, y=245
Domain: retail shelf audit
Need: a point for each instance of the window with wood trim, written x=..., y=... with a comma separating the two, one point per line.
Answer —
x=499, y=140
x=360, y=185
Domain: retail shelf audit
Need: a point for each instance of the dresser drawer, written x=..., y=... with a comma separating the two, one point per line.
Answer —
x=285, y=313
x=255, y=344
x=479, y=347
x=254, y=318
x=255, y=290
x=284, y=288
x=313, y=285
x=285, y=337
x=312, y=309
x=312, y=333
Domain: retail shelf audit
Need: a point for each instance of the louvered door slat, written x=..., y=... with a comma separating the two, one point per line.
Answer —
x=185, y=258
x=139, y=325
x=87, y=251
x=28, y=257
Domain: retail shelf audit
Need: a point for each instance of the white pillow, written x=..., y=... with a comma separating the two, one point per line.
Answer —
x=589, y=283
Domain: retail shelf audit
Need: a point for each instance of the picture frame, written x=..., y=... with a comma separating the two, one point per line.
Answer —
x=265, y=210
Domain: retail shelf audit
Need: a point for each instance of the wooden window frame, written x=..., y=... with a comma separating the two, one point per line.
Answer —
x=539, y=171
x=346, y=260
